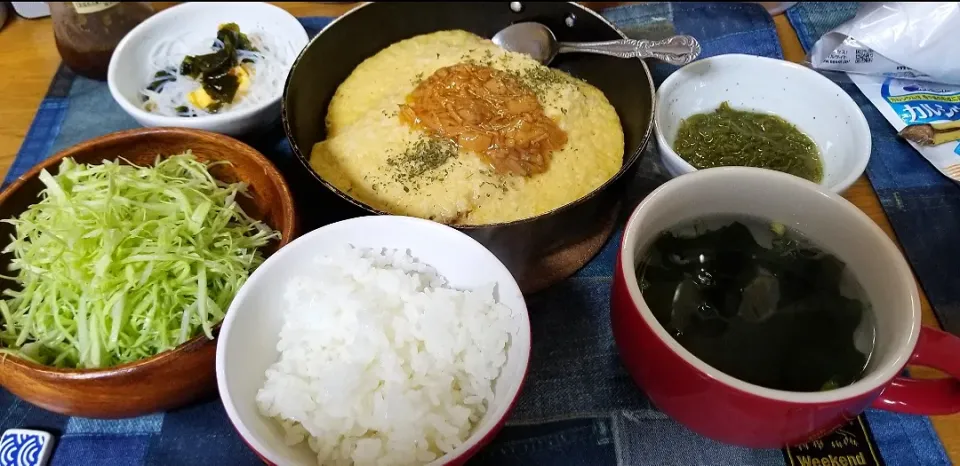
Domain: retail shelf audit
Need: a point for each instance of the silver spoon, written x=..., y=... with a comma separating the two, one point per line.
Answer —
x=538, y=41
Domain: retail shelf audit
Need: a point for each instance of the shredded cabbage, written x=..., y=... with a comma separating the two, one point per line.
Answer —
x=120, y=262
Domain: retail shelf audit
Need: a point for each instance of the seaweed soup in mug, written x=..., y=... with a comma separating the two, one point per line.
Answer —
x=759, y=302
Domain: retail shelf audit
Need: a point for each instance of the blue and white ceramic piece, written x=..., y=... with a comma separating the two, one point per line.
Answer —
x=23, y=447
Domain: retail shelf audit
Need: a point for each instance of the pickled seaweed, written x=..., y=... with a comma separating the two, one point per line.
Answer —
x=729, y=137
x=774, y=315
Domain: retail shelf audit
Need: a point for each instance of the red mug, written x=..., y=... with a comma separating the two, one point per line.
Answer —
x=729, y=410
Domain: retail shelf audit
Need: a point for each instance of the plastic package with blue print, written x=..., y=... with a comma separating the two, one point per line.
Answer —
x=901, y=56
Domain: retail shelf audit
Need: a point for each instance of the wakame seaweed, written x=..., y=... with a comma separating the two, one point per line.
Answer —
x=230, y=34
x=185, y=111
x=160, y=78
x=730, y=137
x=771, y=316
x=213, y=70
x=221, y=88
x=211, y=64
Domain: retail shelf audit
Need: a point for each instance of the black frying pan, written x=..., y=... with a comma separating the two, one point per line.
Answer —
x=333, y=54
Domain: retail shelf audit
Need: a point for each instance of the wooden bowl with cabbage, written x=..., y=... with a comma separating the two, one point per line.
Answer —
x=120, y=256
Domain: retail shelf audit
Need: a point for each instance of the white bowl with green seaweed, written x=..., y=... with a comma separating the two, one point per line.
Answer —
x=212, y=66
x=743, y=110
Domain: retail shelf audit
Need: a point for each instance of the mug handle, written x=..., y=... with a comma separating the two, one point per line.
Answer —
x=927, y=397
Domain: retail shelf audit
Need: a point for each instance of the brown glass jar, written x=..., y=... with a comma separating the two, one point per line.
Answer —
x=86, y=33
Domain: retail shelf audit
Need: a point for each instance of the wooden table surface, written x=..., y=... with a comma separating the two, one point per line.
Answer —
x=30, y=58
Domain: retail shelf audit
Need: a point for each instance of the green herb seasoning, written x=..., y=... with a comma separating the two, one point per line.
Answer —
x=729, y=137
x=423, y=156
x=540, y=79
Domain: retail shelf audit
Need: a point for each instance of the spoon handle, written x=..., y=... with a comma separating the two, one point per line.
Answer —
x=676, y=50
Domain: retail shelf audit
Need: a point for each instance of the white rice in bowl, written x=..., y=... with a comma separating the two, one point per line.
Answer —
x=381, y=362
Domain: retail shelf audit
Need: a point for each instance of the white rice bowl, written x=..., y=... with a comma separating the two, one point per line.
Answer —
x=381, y=362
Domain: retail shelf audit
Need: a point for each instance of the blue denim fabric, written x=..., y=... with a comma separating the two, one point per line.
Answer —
x=813, y=19
x=579, y=406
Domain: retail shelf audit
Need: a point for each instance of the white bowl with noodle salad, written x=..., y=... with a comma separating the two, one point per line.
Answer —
x=374, y=340
x=179, y=69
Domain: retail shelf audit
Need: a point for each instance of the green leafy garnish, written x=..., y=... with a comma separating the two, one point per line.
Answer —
x=117, y=262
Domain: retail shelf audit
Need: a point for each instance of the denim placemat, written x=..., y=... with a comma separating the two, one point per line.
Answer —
x=923, y=206
x=579, y=406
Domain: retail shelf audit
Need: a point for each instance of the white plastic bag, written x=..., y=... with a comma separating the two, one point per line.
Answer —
x=895, y=39
x=904, y=57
